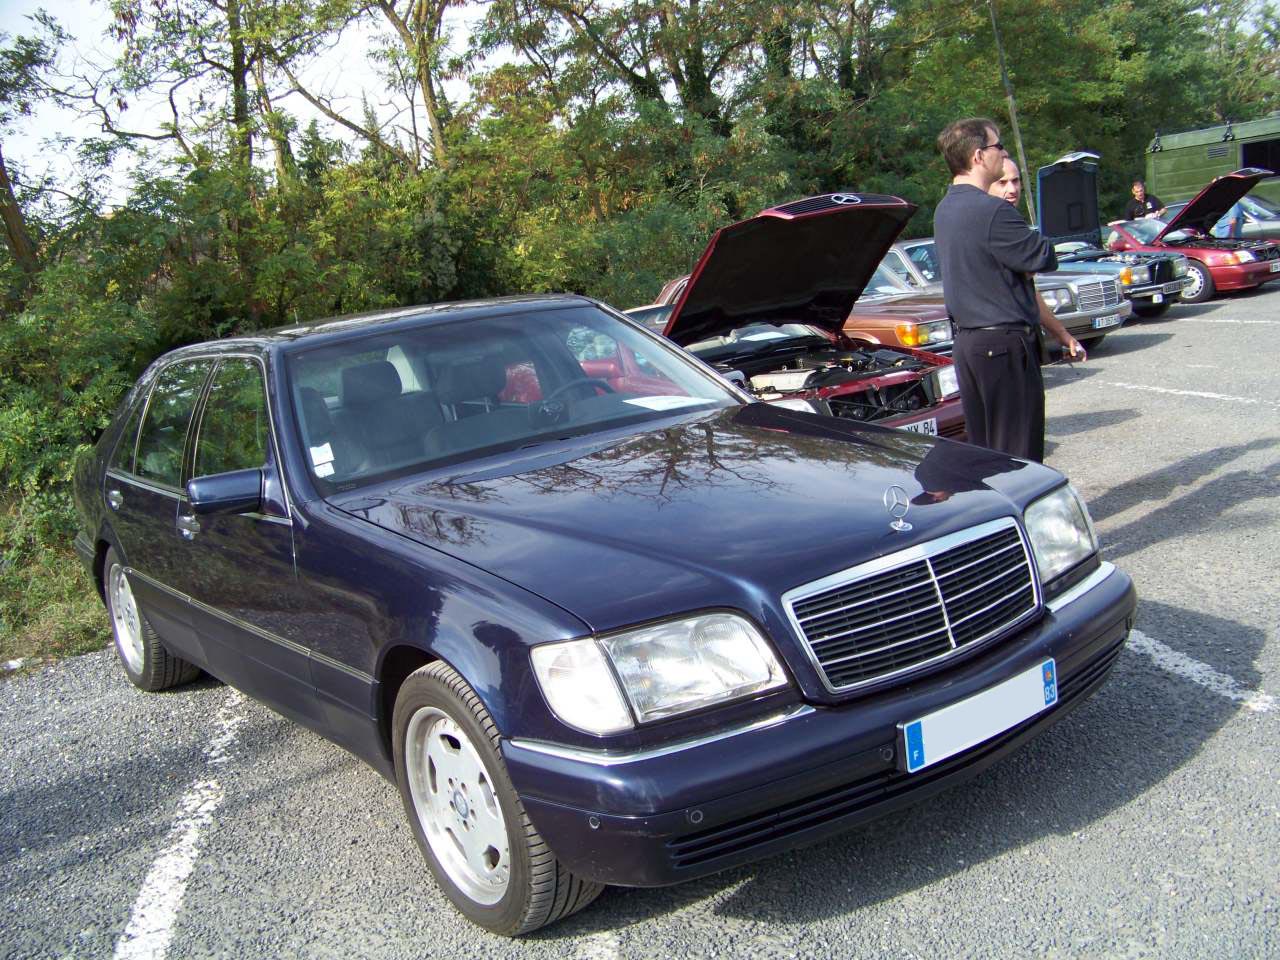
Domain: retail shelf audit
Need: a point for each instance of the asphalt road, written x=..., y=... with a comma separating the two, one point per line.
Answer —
x=1145, y=825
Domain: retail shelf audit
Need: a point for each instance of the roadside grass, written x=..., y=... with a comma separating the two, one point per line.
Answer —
x=49, y=608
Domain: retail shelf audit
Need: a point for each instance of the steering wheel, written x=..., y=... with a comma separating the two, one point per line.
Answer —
x=551, y=410
x=574, y=384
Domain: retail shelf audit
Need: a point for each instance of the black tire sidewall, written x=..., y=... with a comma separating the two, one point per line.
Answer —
x=427, y=688
x=138, y=679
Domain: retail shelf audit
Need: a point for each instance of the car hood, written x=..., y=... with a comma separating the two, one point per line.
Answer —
x=804, y=262
x=1068, y=199
x=922, y=307
x=1212, y=203
x=725, y=509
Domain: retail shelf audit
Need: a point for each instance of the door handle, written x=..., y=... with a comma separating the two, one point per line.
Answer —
x=115, y=499
x=188, y=526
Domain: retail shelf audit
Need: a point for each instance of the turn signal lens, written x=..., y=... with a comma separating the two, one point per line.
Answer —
x=909, y=334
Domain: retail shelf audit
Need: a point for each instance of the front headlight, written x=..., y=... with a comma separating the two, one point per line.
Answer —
x=948, y=382
x=1180, y=267
x=1131, y=275
x=923, y=334
x=657, y=671
x=1244, y=256
x=1061, y=532
x=1058, y=299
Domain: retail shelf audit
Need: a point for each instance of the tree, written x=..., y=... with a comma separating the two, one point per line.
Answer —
x=23, y=64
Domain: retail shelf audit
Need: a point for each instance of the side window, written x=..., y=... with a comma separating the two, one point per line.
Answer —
x=924, y=259
x=893, y=261
x=234, y=433
x=165, y=428
x=122, y=459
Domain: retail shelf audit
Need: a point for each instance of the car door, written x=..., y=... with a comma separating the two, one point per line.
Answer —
x=143, y=490
x=238, y=569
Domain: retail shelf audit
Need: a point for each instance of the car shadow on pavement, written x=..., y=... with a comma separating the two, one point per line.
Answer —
x=1105, y=756
x=1159, y=484
x=1128, y=343
x=1065, y=426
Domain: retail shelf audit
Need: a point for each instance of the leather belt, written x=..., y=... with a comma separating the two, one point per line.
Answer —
x=1020, y=328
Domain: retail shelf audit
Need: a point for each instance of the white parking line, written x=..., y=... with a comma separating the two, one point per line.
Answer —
x=151, y=921
x=1179, y=663
x=1198, y=394
x=1274, y=323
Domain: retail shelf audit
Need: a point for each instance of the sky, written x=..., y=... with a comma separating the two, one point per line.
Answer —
x=345, y=73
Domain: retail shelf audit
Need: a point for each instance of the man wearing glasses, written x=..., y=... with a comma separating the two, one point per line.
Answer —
x=988, y=255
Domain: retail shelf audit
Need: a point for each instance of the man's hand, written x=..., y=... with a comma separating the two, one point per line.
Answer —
x=1074, y=350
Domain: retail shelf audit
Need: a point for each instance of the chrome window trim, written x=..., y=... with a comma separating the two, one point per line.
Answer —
x=1105, y=569
x=921, y=551
x=271, y=425
x=607, y=758
x=251, y=628
x=134, y=480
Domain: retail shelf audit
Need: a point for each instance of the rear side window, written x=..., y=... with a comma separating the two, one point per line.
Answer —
x=233, y=431
x=122, y=459
x=164, y=428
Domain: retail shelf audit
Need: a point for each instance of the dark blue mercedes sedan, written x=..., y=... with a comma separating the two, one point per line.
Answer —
x=600, y=615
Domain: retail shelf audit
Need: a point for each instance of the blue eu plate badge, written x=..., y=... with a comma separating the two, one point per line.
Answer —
x=969, y=722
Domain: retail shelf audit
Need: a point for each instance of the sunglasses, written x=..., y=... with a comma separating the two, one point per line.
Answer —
x=992, y=146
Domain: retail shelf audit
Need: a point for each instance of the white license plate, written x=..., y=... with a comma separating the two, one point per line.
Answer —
x=1275, y=266
x=1101, y=323
x=956, y=728
x=929, y=426
x=1176, y=286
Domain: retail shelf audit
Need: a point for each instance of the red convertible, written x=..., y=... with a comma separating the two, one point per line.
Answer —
x=1213, y=263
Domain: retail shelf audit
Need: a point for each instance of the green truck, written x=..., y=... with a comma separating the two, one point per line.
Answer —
x=1180, y=164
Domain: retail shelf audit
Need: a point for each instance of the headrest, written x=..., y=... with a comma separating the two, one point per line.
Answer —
x=472, y=379
x=315, y=415
x=370, y=383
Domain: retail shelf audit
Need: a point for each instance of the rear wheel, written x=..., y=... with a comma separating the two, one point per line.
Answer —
x=478, y=842
x=1201, y=287
x=1148, y=310
x=146, y=662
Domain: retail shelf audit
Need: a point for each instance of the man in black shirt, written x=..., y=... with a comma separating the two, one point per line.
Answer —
x=988, y=255
x=1143, y=204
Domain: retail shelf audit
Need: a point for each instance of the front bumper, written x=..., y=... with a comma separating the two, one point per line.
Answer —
x=1242, y=276
x=1080, y=323
x=670, y=815
x=1170, y=292
x=948, y=417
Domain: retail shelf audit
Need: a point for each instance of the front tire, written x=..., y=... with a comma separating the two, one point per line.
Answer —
x=1201, y=287
x=146, y=662
x=469, y=823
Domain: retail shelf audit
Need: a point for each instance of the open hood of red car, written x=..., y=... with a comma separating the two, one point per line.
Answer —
x=804, y=262
x=1212, y=203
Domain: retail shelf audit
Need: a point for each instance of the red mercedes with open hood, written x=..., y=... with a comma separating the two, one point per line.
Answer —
x=767, y=302
x=1213, y=263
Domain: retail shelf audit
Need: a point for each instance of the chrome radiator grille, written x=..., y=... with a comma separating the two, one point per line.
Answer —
x=1105, y=293
x=924, y=603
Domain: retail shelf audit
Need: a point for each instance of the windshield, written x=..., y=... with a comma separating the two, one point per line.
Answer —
x=1259, y=207
x=757, y=338
x=1145, y=230
x=388, y=404
x=883, y=284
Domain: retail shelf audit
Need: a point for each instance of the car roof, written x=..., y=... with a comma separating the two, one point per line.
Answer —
x=337, y=328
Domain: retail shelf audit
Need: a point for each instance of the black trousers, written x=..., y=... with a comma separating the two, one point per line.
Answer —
x=1001, y=390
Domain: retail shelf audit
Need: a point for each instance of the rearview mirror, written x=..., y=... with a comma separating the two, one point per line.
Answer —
x=239, y=491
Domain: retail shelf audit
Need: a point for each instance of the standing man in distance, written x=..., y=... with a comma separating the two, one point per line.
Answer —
x=1009, y=187
x=1143, y=204
x=988, y=254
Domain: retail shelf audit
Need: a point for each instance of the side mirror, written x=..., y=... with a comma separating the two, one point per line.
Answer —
x=239, y=491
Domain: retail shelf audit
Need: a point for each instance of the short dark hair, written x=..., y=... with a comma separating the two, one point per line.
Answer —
x=1139, y=182
x=958, y=141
